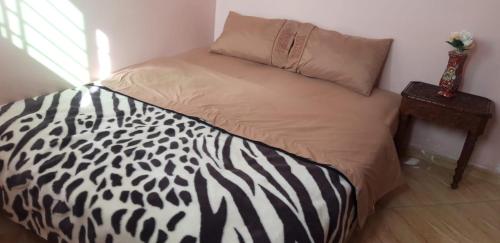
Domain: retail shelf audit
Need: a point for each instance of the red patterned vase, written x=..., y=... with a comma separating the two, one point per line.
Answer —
x=452, y=76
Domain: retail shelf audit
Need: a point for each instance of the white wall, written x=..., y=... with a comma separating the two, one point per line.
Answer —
x=137, y=31
x=419, y=52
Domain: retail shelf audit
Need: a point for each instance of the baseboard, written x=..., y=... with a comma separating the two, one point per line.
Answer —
x=449, y=163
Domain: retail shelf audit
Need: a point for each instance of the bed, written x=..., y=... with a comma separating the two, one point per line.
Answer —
x=308, y=117
x=198, y=148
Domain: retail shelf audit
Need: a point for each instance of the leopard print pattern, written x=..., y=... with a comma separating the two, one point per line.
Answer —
x=92, y=165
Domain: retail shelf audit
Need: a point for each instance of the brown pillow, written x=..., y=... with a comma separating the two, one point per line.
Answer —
x=248, y=37
x=353, y=62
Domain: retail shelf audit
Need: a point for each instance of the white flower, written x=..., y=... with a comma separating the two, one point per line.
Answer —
x=461, y=41
x=468, y=43
x=454, y=36
x=466, y=38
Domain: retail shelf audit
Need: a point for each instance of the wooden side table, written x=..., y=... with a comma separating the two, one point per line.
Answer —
x=464, y=111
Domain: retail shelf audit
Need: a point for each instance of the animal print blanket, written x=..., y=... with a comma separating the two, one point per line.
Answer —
x=92, y=165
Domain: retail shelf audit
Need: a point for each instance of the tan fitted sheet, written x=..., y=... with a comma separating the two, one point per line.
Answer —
x=308, y=117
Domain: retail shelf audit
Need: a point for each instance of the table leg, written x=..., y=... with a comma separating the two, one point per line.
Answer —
x=470, y=142
x=402, y=135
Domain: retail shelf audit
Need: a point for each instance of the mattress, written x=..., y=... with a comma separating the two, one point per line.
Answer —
x=308, y=117
x=93, y=165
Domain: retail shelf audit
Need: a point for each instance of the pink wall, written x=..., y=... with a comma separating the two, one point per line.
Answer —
x=137, y=31
x=419, y=52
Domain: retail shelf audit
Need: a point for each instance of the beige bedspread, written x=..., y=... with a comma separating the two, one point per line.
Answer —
x=308, y=117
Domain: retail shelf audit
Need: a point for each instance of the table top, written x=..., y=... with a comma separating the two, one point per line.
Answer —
x=461, y=102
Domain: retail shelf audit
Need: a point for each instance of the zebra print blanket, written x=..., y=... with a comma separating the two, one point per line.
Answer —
x=91, y=165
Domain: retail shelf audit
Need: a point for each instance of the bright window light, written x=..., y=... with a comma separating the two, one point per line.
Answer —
x=103, y=49
x=14, y=22
x=3, y=22
x=43, y=15
x=11, y=5
x=70, y=11
x=48, y=63
x=74, y=46
x=17, y=41
x=50, y=31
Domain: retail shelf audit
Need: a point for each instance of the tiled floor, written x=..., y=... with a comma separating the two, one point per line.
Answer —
x=424, y=210
x=427, y=210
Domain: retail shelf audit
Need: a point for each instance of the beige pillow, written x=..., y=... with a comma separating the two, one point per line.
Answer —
x=248, y=37
x=353, y=62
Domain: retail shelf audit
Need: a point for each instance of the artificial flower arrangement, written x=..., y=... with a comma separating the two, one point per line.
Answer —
x=452, y=77
x=461, y=41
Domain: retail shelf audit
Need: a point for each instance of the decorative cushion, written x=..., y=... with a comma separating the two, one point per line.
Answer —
x=290, y=44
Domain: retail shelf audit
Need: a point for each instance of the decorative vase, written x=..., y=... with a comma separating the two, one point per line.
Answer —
x=452, y=76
